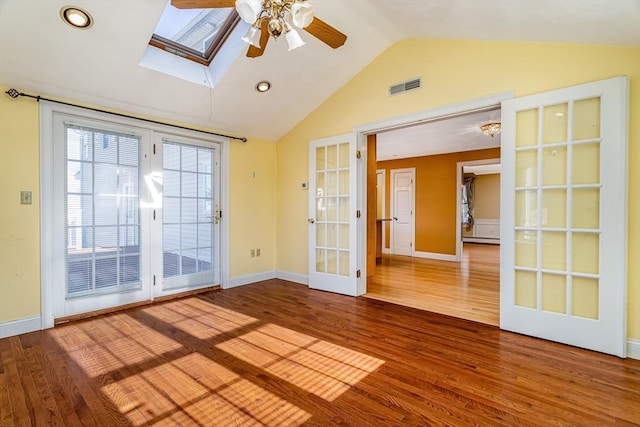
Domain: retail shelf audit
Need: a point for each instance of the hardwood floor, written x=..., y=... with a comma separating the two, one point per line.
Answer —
x=276, y=353
x=468, y=290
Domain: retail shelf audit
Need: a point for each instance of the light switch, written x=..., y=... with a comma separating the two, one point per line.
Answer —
x=25, y=197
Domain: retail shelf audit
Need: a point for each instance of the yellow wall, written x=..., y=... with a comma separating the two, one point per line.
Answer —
x=435, y=198
x=452, y=71
x=487, y=197
x=252, y=198
x=19, y=224
x=250, y=214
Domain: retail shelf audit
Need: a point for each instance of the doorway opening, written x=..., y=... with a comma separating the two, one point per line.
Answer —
x=445, y=269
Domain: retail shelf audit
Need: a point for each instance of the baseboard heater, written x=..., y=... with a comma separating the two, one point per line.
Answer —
x=483, y=231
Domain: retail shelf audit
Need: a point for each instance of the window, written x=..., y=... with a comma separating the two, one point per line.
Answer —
x=465, y=206
x=126, y=204
x=102, y=211
x=188, y=204
x=194, y=34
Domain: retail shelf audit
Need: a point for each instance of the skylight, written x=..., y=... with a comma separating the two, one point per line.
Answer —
x=195, y=34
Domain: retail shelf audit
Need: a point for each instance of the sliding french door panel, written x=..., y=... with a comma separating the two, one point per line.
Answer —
x=102, y=211
x=190, y=215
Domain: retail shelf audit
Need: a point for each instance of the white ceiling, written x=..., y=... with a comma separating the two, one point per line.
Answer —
x=450, y=135
x=100, y=66
x=489, y=169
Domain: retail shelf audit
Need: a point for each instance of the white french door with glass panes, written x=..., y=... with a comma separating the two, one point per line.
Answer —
x=332, y=215
x=563, y=219
x=135, y=215
x=190, y=214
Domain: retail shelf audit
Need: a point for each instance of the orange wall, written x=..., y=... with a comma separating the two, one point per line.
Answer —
x=435, y=197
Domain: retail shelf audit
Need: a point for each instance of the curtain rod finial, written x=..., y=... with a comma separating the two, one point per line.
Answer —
x=13, y=93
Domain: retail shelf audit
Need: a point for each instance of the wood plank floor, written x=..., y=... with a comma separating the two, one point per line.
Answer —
x=276, y=353
x=469, y=289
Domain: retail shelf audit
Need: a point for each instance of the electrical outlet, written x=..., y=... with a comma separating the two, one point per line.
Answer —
x=257, y=252
x=25, y=197
x=253, y=253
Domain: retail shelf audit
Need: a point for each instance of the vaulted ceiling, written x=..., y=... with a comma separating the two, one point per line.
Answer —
x=101, y=65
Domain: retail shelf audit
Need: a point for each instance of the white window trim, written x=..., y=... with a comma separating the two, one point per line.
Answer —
x=47, y=202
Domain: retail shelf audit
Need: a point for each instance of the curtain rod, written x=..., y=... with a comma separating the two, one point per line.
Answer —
x=13, y=93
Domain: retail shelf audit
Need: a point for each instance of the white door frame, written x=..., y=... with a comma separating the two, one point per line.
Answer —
x=459, y=175
x=412, y=222
x=473, y=105
x=47, y=202
x=383, y=172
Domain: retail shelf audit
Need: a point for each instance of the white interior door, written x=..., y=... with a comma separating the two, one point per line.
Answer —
x=563, y=253
x=402, y=208
x=333, y=215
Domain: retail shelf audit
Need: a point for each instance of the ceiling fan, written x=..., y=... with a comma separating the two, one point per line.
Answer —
x=273, y=18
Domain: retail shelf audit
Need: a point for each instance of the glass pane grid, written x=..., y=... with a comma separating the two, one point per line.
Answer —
x=188, y=211
x=102, y=211
x=332, y=209
x=557, y=198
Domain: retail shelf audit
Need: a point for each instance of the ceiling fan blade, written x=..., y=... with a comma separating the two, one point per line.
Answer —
x=326, y=33
x=253, y=51
x=202, y=4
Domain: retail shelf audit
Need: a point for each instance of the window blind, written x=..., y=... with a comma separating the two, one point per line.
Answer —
x=102, y=211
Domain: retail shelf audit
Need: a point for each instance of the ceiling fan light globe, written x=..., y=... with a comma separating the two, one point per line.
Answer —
x=275, y=28
x=248, y=10
x=253, y=36
x=293, y=39
x=302, y=14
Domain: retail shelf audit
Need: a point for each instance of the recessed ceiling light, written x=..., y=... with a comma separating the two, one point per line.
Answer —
x=76, y=17
x=263, y=86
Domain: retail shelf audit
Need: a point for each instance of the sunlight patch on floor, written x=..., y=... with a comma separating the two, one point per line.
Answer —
x=324, y=369
x=193, y=390
x=99, y=356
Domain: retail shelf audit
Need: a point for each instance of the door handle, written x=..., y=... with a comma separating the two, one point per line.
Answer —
x=395, y=218
x=311, y=220
x=216, y=212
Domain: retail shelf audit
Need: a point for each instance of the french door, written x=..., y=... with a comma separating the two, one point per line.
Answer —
x=333, y=215
x=135, y=215
x=190, y=215
x=563, y=253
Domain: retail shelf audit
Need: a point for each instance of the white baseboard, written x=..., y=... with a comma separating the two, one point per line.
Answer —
x=292, y=277
x=428, y=255
x=21, y=326
x=32, y=324
x=481, y=240
x=433, y=255
x=633, y=349
x=250, y=278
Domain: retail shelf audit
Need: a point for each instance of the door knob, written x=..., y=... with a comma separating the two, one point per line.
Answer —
x=311, y=220
x=395, y=218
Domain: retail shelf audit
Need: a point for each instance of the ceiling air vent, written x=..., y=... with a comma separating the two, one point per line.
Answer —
x=405, y=86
